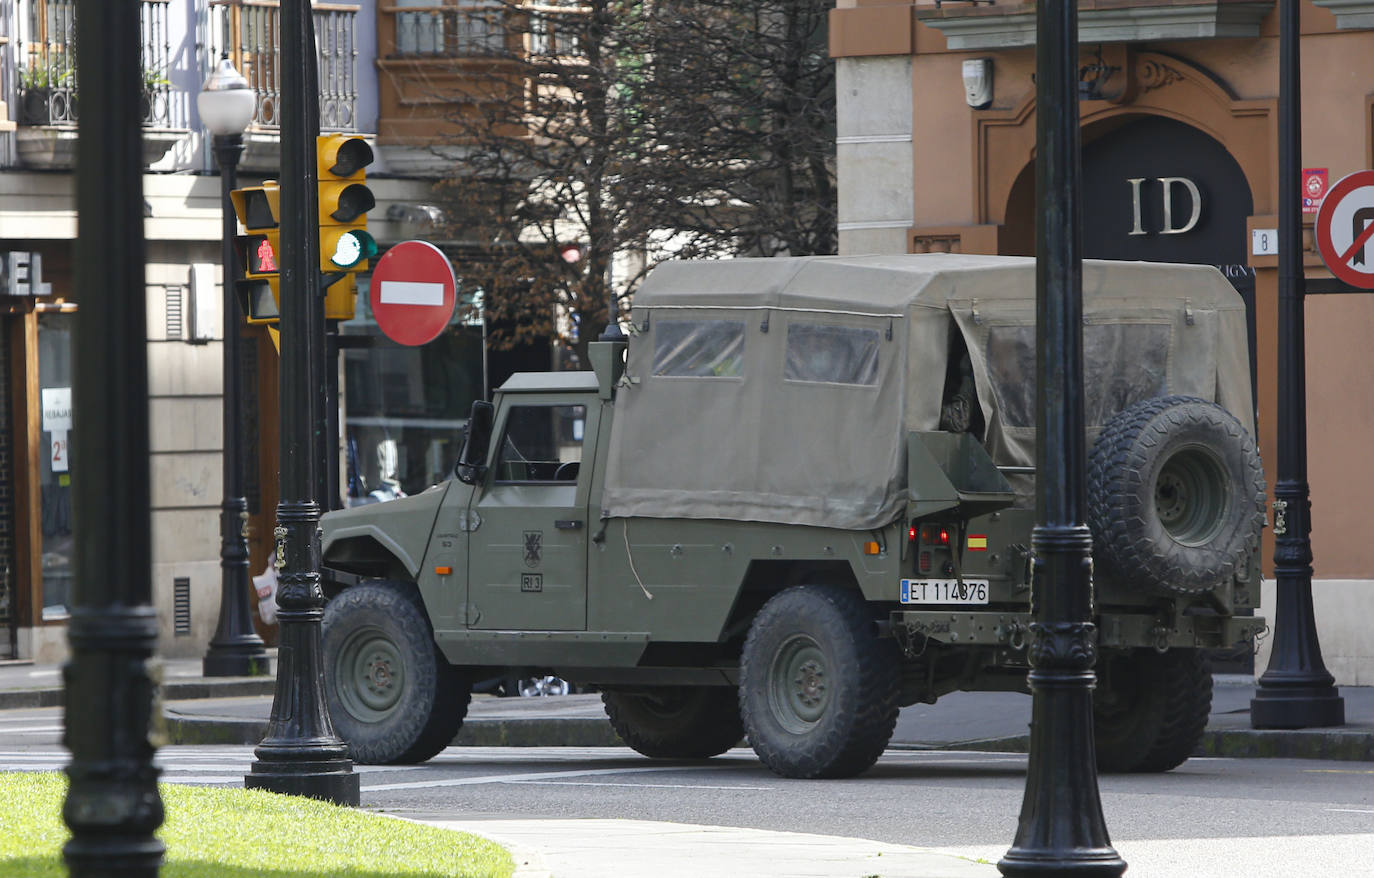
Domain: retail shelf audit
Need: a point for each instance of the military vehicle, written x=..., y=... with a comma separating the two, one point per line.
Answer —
x=802, y=499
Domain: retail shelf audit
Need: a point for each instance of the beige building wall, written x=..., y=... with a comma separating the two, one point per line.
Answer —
x=965, y=163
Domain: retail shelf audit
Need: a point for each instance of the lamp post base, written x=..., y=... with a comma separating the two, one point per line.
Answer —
x=237, y=660
x=1304, y=707
x=1019, y=861
x=331, y=780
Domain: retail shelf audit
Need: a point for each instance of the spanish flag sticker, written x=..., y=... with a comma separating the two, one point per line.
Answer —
x=978, y=542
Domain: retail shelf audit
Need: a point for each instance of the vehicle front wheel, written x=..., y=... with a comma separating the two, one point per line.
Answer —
x=392, y=695
x=1150, y=709
x=676, y=722
x=818, y=687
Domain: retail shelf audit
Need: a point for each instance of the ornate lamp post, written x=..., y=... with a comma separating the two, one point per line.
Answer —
x=301, y=754
x=1296, y=691
x=1061, y=830
x=112, y=804
x=226, y=106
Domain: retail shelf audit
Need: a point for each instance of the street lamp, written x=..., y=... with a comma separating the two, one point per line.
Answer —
x=226, y=106
x=1061, y=830
x=1296, y=691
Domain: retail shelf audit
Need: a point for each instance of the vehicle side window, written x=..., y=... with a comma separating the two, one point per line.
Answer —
x=1124, y=364
x=541, y=443
x=831, y=354
x=699, y=348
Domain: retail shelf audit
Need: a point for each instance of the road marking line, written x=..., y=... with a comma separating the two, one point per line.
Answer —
x=1351, y=810
x=660, y=786
x=1338, y=771
x=26, y=729
x=539, y=775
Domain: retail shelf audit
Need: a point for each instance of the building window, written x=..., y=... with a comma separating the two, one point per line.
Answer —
x=468, y=27
x=55, y=482
x=405, y=407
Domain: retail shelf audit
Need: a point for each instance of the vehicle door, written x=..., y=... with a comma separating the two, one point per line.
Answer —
x=527, y=559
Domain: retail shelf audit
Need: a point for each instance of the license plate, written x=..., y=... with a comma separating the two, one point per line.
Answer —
x=944, y=591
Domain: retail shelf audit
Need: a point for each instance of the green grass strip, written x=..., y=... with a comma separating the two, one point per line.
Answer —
x=234, y=833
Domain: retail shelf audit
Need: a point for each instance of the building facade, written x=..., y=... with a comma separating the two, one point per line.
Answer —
x=1179, y=114
x=39, y=86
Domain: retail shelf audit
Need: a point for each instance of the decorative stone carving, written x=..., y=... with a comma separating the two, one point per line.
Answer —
x=1153, y=74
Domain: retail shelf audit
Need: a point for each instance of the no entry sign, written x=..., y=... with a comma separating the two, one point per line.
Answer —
x=1345, y=229
x=413, y=293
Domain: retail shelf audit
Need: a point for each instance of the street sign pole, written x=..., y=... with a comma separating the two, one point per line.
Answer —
x=301, y=754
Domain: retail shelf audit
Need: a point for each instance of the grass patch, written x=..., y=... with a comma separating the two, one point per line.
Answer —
x=234, y=833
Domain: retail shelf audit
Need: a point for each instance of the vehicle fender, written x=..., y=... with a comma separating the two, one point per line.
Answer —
x=402, y=527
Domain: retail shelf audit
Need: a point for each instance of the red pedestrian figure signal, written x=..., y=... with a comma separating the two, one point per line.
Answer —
x=266, y=259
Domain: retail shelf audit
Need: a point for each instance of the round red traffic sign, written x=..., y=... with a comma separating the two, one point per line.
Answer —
x=413, y=292
x=1345, y=229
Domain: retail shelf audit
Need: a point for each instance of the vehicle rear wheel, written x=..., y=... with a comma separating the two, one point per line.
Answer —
x=676, y=722
x=818, y=687
x=1175, y=496
x=392, y=695
x=1150, y=709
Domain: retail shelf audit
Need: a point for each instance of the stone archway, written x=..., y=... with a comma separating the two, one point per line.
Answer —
x=1153, y=189
x=1159, y=86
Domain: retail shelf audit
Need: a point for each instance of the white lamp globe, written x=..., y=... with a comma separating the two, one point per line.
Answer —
x=225, y=102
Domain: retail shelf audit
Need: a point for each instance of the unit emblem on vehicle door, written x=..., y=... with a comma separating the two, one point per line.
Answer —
x=534, y=547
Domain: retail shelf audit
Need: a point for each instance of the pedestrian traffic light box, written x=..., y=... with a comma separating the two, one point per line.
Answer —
x=259, y=210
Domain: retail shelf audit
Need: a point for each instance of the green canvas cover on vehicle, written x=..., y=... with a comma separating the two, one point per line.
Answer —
x=782, y=390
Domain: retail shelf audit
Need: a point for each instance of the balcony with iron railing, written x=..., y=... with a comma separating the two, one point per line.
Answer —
x=250, y=32
x=440, y=59
x=46, y=87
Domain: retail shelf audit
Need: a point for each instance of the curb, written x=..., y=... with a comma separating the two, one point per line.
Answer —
x=1338, y=746
x=12, y=699
x=568, y=732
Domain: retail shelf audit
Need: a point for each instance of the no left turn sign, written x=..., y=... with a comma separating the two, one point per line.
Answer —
x=1345, y=229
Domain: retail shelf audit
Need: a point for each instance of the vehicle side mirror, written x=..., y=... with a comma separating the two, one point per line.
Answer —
x=472, y=460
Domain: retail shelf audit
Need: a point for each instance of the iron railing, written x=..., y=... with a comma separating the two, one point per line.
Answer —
x=46, y=64
x=250, y=32
x=481, y=28
x=471, y=28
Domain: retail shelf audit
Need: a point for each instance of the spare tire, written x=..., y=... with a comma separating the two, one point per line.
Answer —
x=1175, y=496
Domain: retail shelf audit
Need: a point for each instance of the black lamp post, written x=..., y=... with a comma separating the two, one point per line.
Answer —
x=112, y=803
x=301, y=754
x=1061, y=830
x=1296, y=691
x=226, y=106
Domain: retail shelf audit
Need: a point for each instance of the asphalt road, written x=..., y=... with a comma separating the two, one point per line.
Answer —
x=1209, y=817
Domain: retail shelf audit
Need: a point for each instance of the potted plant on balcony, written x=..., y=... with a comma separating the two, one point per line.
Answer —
x=39, y=84
x=152, y=104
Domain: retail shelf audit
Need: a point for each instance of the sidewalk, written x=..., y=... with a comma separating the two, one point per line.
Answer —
x=201, y=710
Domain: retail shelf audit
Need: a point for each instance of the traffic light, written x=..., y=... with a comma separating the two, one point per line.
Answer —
x=259, y=210
x=345, y=245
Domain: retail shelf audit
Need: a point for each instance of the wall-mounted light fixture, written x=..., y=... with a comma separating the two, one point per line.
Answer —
x=978, y=82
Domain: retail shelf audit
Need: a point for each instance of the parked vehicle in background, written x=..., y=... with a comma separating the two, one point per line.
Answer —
x=801, y=496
